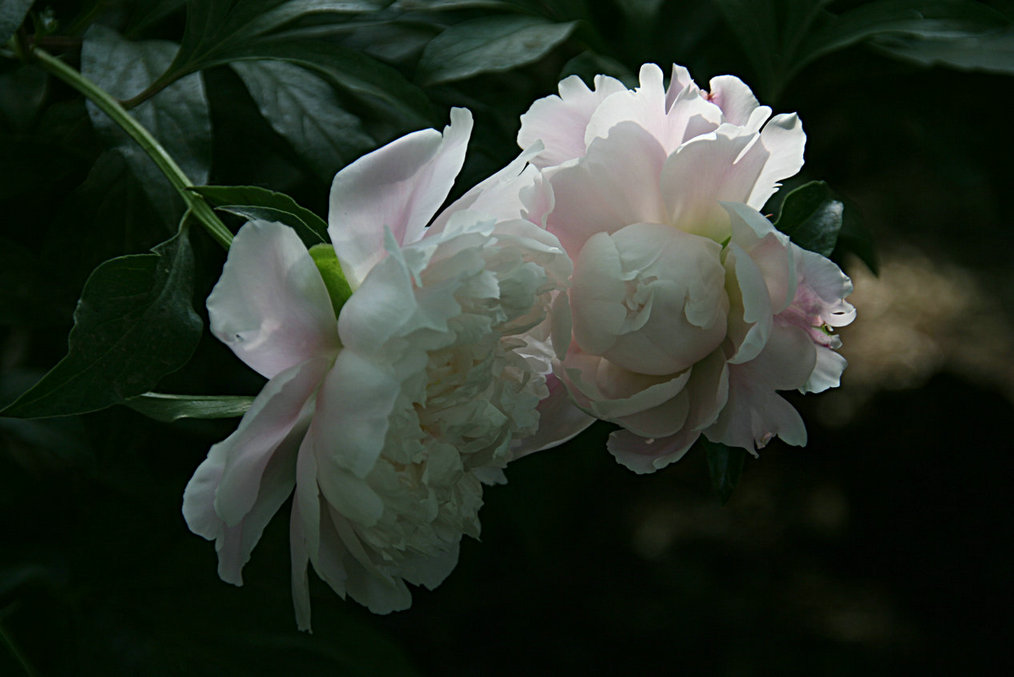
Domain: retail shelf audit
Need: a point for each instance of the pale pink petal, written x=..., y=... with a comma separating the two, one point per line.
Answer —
x=246, y=477
x=770, y=250
x=646, y=455
x=825, y=287
x=271, y=306
x=750, y=316
x=354, y=406
x=429, y=570
x=826, y=373
x=398, y=187
x=299, y=559
x=784, y=140
x=614, y=185
x=648, y=107
x=559, y=122
x=734, y=98
x=560, y=420
x=704, y=172
x=755, y=413
x=282, y=407
x=597, y=294
x=678, y=81
x=500, y=196
x=365, y=581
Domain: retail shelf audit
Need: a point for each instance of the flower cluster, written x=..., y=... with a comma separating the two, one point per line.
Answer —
x=617, y=270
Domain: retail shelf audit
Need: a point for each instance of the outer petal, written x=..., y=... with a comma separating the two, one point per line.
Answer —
x=398, y=187
x=559, y=122
x=646, y=455
x=245, y=479
x=271, y=306
x=784, y=140
x=559, y=421
x=705, y=171
x=649, y=107
x=502, y=195
x=614, y=185
x=755, y=412
x=734, y=98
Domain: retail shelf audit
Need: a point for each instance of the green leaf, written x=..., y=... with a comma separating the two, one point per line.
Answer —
x=253, y=202
x=12, y=14
x=780, y=37
x=219, y=30
x=935, y=19
x=812, y=217
x=384, y=89
x=168, y=408
x=178, y=116
x=20, y=112
x=303, y=108
x=993, y=52
x=496, y=43
x=856, y=238
x=133, y=325
x=725, y=465
x=769, y=32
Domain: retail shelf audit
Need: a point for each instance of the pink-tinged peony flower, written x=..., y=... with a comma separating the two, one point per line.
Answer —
x=386, y=420
x=687, y=310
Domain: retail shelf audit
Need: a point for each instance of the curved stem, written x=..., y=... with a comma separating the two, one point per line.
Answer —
x=111, y=107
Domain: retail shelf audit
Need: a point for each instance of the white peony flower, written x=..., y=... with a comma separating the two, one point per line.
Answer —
x=687, y=310
x=386, y=420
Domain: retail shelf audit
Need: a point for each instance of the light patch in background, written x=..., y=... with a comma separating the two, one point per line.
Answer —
x=919, y=317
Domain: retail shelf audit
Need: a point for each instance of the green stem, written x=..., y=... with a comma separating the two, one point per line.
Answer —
x=111, y=107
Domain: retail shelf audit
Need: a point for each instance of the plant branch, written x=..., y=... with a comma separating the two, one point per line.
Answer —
x=111, y=107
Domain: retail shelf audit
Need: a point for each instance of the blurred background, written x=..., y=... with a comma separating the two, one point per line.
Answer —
x=883, y=547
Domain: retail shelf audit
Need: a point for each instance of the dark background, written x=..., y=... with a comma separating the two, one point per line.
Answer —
x=883, y=547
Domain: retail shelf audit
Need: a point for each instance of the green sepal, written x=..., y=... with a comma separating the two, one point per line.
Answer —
x=725, y=465
x=334, y=279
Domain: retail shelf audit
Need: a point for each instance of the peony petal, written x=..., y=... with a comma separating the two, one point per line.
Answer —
x=702, y=173
x=646, y=455
x=279, y=416
x=597, y=294
x=614, y=185
x=271, y=306
x=735, y=99
x=784, y=140
x=754, y=412
x=500, y=196
x=560, y=420
x=247, y=476
x=559, y=122
x=353, y=405
x=225, y=486
x=398, y=187
x=826, y=372
x=299, y=558
x=748, y=329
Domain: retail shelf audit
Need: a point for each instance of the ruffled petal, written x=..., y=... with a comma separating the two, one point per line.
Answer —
x=398, y=187
x=784, y=140
x=649, y=108
x=559, y=122
x=560, y=420
x=705, y=171
x=735, y=99
x=755, y=413
x=614, y=185
x=271, y=306
x=826, y=372
x=246, y=478
x=646, y=455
